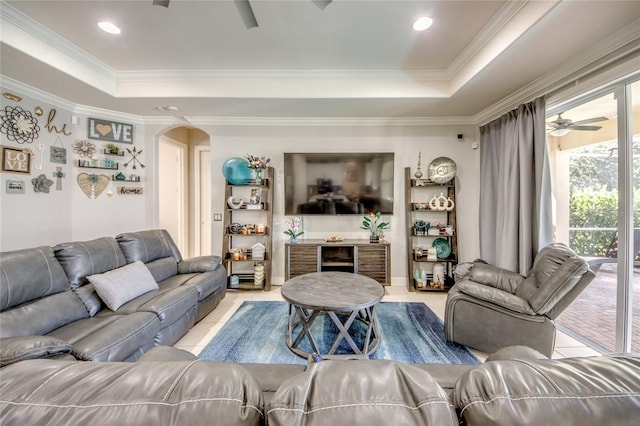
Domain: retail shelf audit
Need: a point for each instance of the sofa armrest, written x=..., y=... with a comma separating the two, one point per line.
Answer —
x=495, y=277
x=198, y=264
x=19, y=348
x=496, y=296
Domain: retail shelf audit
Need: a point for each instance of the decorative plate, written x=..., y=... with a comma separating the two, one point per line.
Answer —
x=236, y=170
x=443, y=248
x=334, y=239
x=441, y=170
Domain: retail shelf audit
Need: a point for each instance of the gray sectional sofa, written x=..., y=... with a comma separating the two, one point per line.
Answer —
x=167, y=386
x=108, y=299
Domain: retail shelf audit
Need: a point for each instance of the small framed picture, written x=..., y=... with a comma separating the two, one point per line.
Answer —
x=15, y=186
x=16, y=160
x=58, y=155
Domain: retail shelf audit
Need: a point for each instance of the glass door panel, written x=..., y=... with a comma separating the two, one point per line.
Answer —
x=584, y=144
x=635, y=279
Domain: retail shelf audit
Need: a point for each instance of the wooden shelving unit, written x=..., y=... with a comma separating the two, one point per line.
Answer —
x=234, y=238
x=417, y=208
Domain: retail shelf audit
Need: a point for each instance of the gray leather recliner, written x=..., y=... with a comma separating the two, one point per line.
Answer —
x=491, y=308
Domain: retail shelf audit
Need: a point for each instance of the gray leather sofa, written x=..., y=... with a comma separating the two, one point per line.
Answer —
x=49, y=307
x=516, y=386
x=491, y=308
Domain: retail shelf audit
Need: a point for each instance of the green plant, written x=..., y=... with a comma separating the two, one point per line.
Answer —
x=294, y=227
x=374, y=224
x=113, y=148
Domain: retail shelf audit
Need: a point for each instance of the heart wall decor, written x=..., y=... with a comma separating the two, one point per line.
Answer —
x=92, y=185
x=103, y=129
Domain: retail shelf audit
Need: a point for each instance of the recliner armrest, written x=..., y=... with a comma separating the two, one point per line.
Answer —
x=198, y=264
x=495, y=277
x=496, y=296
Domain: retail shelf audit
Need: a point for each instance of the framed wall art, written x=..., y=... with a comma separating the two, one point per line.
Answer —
x=15, y=186
x=16, y=160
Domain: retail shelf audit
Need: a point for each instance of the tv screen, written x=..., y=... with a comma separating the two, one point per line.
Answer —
x=338, y=183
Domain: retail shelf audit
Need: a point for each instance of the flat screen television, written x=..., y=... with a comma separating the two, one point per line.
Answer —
x=338, y=183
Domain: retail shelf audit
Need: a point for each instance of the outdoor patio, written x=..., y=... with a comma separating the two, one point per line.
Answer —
x=593, y=314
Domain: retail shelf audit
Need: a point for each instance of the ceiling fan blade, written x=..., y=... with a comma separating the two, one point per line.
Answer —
x=590, y=120
x=246, y=13
x=585, y=127
x=163, y=3
x=322, y=3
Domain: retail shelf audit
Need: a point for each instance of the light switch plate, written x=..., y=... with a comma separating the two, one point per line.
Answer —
x=217, y=217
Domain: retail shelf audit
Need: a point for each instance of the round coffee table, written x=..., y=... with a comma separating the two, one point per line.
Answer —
x=344, y=297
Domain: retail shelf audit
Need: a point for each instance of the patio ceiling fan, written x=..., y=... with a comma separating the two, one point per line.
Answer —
x=245, y=10
x=561, y=126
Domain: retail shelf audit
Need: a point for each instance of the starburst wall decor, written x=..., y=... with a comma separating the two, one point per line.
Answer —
x=19, y=125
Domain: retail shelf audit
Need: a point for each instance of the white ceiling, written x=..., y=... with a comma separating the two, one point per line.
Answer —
x=350, y=59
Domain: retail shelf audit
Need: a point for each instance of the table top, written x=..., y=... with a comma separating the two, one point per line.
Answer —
x=332, y=291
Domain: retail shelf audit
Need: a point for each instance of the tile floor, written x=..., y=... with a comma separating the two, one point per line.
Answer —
x=198, y=337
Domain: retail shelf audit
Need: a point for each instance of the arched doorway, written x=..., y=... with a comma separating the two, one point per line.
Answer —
x=184, y=189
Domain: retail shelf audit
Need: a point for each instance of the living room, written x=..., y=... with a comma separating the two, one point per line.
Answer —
x=230, y=113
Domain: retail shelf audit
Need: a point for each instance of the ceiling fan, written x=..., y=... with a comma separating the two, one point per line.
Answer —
x=245, y=10
x=561, y=126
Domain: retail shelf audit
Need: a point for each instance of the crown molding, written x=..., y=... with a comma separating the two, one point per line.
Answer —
x=31, y=92
x=624, y=42
x=280, y=75
x=11, y=15
x=504, y=15
x=108, y=114
x=330, y=121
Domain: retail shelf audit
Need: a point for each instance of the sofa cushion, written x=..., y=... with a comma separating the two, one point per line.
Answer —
x=109, y=337
x=14, y=349
x=124, y=284
x=205, y=283
x=556, y=270
x=29, y=274
x=496, y=296
x=126, y=393
x=148, y=245
x=41, y=316
x=572, y=391
x=163, y=268
x=361, y=392
x=83, y=258
x=198, y=264
x=89, y=298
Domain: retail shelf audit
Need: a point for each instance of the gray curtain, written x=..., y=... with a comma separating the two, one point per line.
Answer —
x=515, y=188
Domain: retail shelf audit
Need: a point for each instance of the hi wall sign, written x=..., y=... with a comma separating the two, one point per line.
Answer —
x=110, y=131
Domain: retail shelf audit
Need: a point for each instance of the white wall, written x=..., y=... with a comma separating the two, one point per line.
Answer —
x=404, y=141
x=32, y=219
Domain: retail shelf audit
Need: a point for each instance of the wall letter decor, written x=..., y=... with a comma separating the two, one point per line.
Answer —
x=111, y=131
x=16, y=160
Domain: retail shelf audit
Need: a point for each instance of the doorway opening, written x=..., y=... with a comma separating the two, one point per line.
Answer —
x=184, y=189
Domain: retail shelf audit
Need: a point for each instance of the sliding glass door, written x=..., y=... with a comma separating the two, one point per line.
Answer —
x=596, y=175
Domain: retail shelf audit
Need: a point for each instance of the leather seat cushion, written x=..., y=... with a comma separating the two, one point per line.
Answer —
x=543, y=392
x=109, y=337
x=122, y=393
x=363, y=392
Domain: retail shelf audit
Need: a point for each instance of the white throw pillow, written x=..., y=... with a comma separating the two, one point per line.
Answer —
x=119, y=286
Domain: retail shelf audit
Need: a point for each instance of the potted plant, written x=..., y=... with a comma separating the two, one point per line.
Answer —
x=374, y=225
x=113, y=148
x=294, y=229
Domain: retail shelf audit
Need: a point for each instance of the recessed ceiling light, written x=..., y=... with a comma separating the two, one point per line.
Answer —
x=109, y=27
x=422, y=24
x=171, y=108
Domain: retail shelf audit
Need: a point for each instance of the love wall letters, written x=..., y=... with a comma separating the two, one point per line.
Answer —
x=15, y=160
x=110, y=131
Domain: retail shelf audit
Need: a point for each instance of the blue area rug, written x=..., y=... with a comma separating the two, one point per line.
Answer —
x=409, y=332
